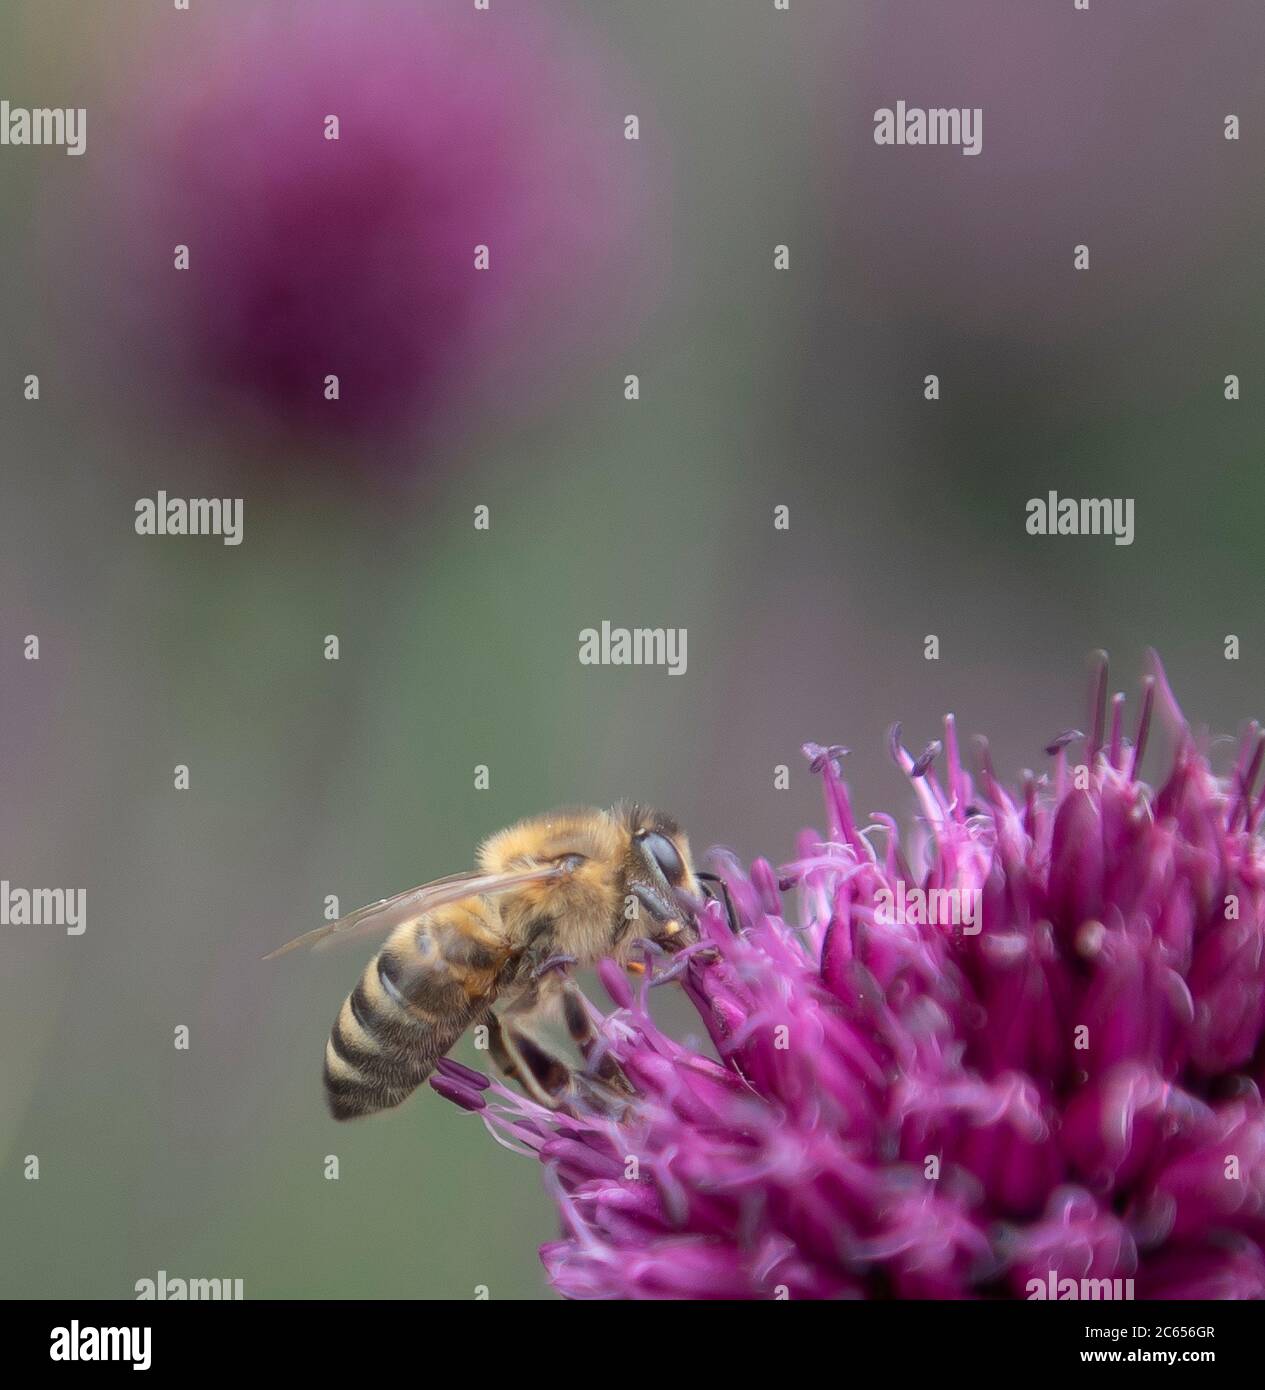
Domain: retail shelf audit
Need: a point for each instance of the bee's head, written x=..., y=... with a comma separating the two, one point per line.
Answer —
x=659, y=878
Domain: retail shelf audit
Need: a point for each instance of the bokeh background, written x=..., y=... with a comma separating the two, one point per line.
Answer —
x=459, y=647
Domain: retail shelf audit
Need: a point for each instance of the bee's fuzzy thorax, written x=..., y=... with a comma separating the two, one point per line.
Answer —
x=571, y=830
x=584, y=904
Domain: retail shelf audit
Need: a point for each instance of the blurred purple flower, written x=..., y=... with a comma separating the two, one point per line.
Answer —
x=1069, y=1086
x=355, y=256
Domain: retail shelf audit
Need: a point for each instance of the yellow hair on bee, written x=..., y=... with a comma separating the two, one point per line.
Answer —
x=571, y=830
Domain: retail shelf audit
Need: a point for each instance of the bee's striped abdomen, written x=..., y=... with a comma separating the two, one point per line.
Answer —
x=427, y=985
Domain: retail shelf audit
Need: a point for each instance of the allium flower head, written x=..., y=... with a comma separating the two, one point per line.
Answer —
x=333, y=169
x=1065, y=1086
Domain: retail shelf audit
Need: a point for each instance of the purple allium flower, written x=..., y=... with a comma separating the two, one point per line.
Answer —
x=355, y=256
x=1065, y=1086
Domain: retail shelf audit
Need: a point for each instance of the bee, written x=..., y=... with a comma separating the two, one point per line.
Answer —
x=559, y=890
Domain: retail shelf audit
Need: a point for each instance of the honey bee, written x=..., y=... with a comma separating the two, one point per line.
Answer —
x=555, y=891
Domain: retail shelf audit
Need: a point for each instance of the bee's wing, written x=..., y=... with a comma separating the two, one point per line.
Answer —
x=388, y=913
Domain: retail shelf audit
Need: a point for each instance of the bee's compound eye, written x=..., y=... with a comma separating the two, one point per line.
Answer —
x=665, y=854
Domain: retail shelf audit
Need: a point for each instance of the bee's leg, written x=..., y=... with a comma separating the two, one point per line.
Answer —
x=579, y=1023
x=543, y=1076
x=548, y=1076
x=707, y=880
x=549, y=965
x=500, y=1053
x=665, y=916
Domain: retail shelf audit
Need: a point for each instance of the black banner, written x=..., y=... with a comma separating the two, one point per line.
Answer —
x=1011, y=1338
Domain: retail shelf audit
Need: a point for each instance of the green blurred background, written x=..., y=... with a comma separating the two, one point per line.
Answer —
x=458, y=647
